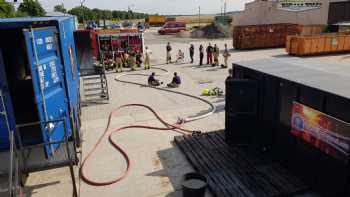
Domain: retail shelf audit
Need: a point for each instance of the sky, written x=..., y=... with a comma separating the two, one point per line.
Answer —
x=182, y=7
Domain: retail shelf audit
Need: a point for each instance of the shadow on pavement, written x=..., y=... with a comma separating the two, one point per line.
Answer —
x=174, y=167
x=30, y=190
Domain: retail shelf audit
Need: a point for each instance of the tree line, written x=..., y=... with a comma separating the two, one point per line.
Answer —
x=26, y=8
x=34, y=8
x=85, y=13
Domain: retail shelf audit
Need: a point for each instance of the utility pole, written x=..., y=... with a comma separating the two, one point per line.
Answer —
x=199, y=16
x=83, y=12
x=130, y=6
x=221, y=8
x=225, y=8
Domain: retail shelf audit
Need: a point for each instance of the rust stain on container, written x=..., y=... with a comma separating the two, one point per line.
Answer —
x=269, y=35
x=305, y=45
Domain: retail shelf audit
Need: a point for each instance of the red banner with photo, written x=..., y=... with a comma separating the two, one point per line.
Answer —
x=330, y=135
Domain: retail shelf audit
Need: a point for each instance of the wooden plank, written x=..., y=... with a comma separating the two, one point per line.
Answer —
x=237, y=171
x=284, y=182
x=231, y=180
x=254, y=179
x=214, y=171
x=201, y=167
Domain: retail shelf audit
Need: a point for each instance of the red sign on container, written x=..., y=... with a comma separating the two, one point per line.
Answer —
x=330, y=135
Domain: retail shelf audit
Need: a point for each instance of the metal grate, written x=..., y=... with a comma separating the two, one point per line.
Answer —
x=242, y=171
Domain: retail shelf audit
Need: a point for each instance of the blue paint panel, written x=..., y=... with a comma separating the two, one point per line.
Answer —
x=23, y=22
x=4, y=135
x=59, y=70
x=67, y=28
x=48, y=81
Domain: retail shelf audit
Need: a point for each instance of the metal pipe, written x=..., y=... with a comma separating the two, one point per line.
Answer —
x=11, y=164
x=38, y=123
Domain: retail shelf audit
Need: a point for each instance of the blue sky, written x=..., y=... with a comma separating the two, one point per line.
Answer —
x=153, y=6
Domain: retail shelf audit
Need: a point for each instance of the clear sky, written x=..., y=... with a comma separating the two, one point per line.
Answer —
x=153, y=6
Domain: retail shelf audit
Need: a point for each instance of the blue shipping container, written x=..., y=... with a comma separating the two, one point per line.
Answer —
x=39, y=62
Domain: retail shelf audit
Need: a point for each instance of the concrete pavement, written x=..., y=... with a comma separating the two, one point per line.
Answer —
x=157, y=165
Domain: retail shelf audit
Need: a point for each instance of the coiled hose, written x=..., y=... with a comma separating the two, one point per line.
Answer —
x=168, y=127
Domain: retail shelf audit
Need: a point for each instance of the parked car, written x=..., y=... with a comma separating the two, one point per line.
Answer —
x=116, y=26
x=140, y=27
x=172, y=27
x=128, y=25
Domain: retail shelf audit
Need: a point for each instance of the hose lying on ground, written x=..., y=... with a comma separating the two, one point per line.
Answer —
x=166, y=72
x=168, y=127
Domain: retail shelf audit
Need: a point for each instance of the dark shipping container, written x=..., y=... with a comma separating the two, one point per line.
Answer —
x=338, y=12
x=39, y=80
x=299, y=113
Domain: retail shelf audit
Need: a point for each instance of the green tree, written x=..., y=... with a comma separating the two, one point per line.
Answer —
x=60, y=8
x=31, y=8
x=130, y=15
x=107, y=14
x=6, y=9
x=116, y=14
x=82, y=12
x=96, y=14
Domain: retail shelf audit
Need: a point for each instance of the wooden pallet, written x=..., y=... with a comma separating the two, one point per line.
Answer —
x=240, y=171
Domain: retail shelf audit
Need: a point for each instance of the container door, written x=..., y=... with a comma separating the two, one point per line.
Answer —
x=241, y=110
x=84, y=53
x=48, y=83
x=7, y=122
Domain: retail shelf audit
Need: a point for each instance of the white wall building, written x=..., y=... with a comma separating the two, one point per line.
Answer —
x=269, y=12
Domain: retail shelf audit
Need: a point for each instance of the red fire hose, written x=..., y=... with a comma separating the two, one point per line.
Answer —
x=168, y=127
x=86, y=179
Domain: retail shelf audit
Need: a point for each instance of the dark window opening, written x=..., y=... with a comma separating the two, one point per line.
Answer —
x=20, y=83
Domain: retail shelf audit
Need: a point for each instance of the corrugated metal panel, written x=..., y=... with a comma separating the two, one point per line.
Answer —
x=54, y=45
x=314, y=84
x=318, y=44
x=68, y=51
x=48, y=80
x=33, y=19
x=262, y=36
x=339, y=12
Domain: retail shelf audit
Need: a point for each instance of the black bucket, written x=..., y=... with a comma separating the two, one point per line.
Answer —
x=194, y=185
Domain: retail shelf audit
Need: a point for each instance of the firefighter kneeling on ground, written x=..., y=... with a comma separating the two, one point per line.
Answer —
x=176, y=82
x=152, y=81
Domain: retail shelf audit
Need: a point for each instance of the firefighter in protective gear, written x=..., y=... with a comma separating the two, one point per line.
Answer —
x=148, y=53
x=209, y=54
x=132, y=61
x=216, y=52
x=226, y=56
x=168, y=53
x=119, y=62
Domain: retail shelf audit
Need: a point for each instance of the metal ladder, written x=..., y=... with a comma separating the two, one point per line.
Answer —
x=95, y=88
x=14, y=187
x=20, y=165
x=37, y=160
